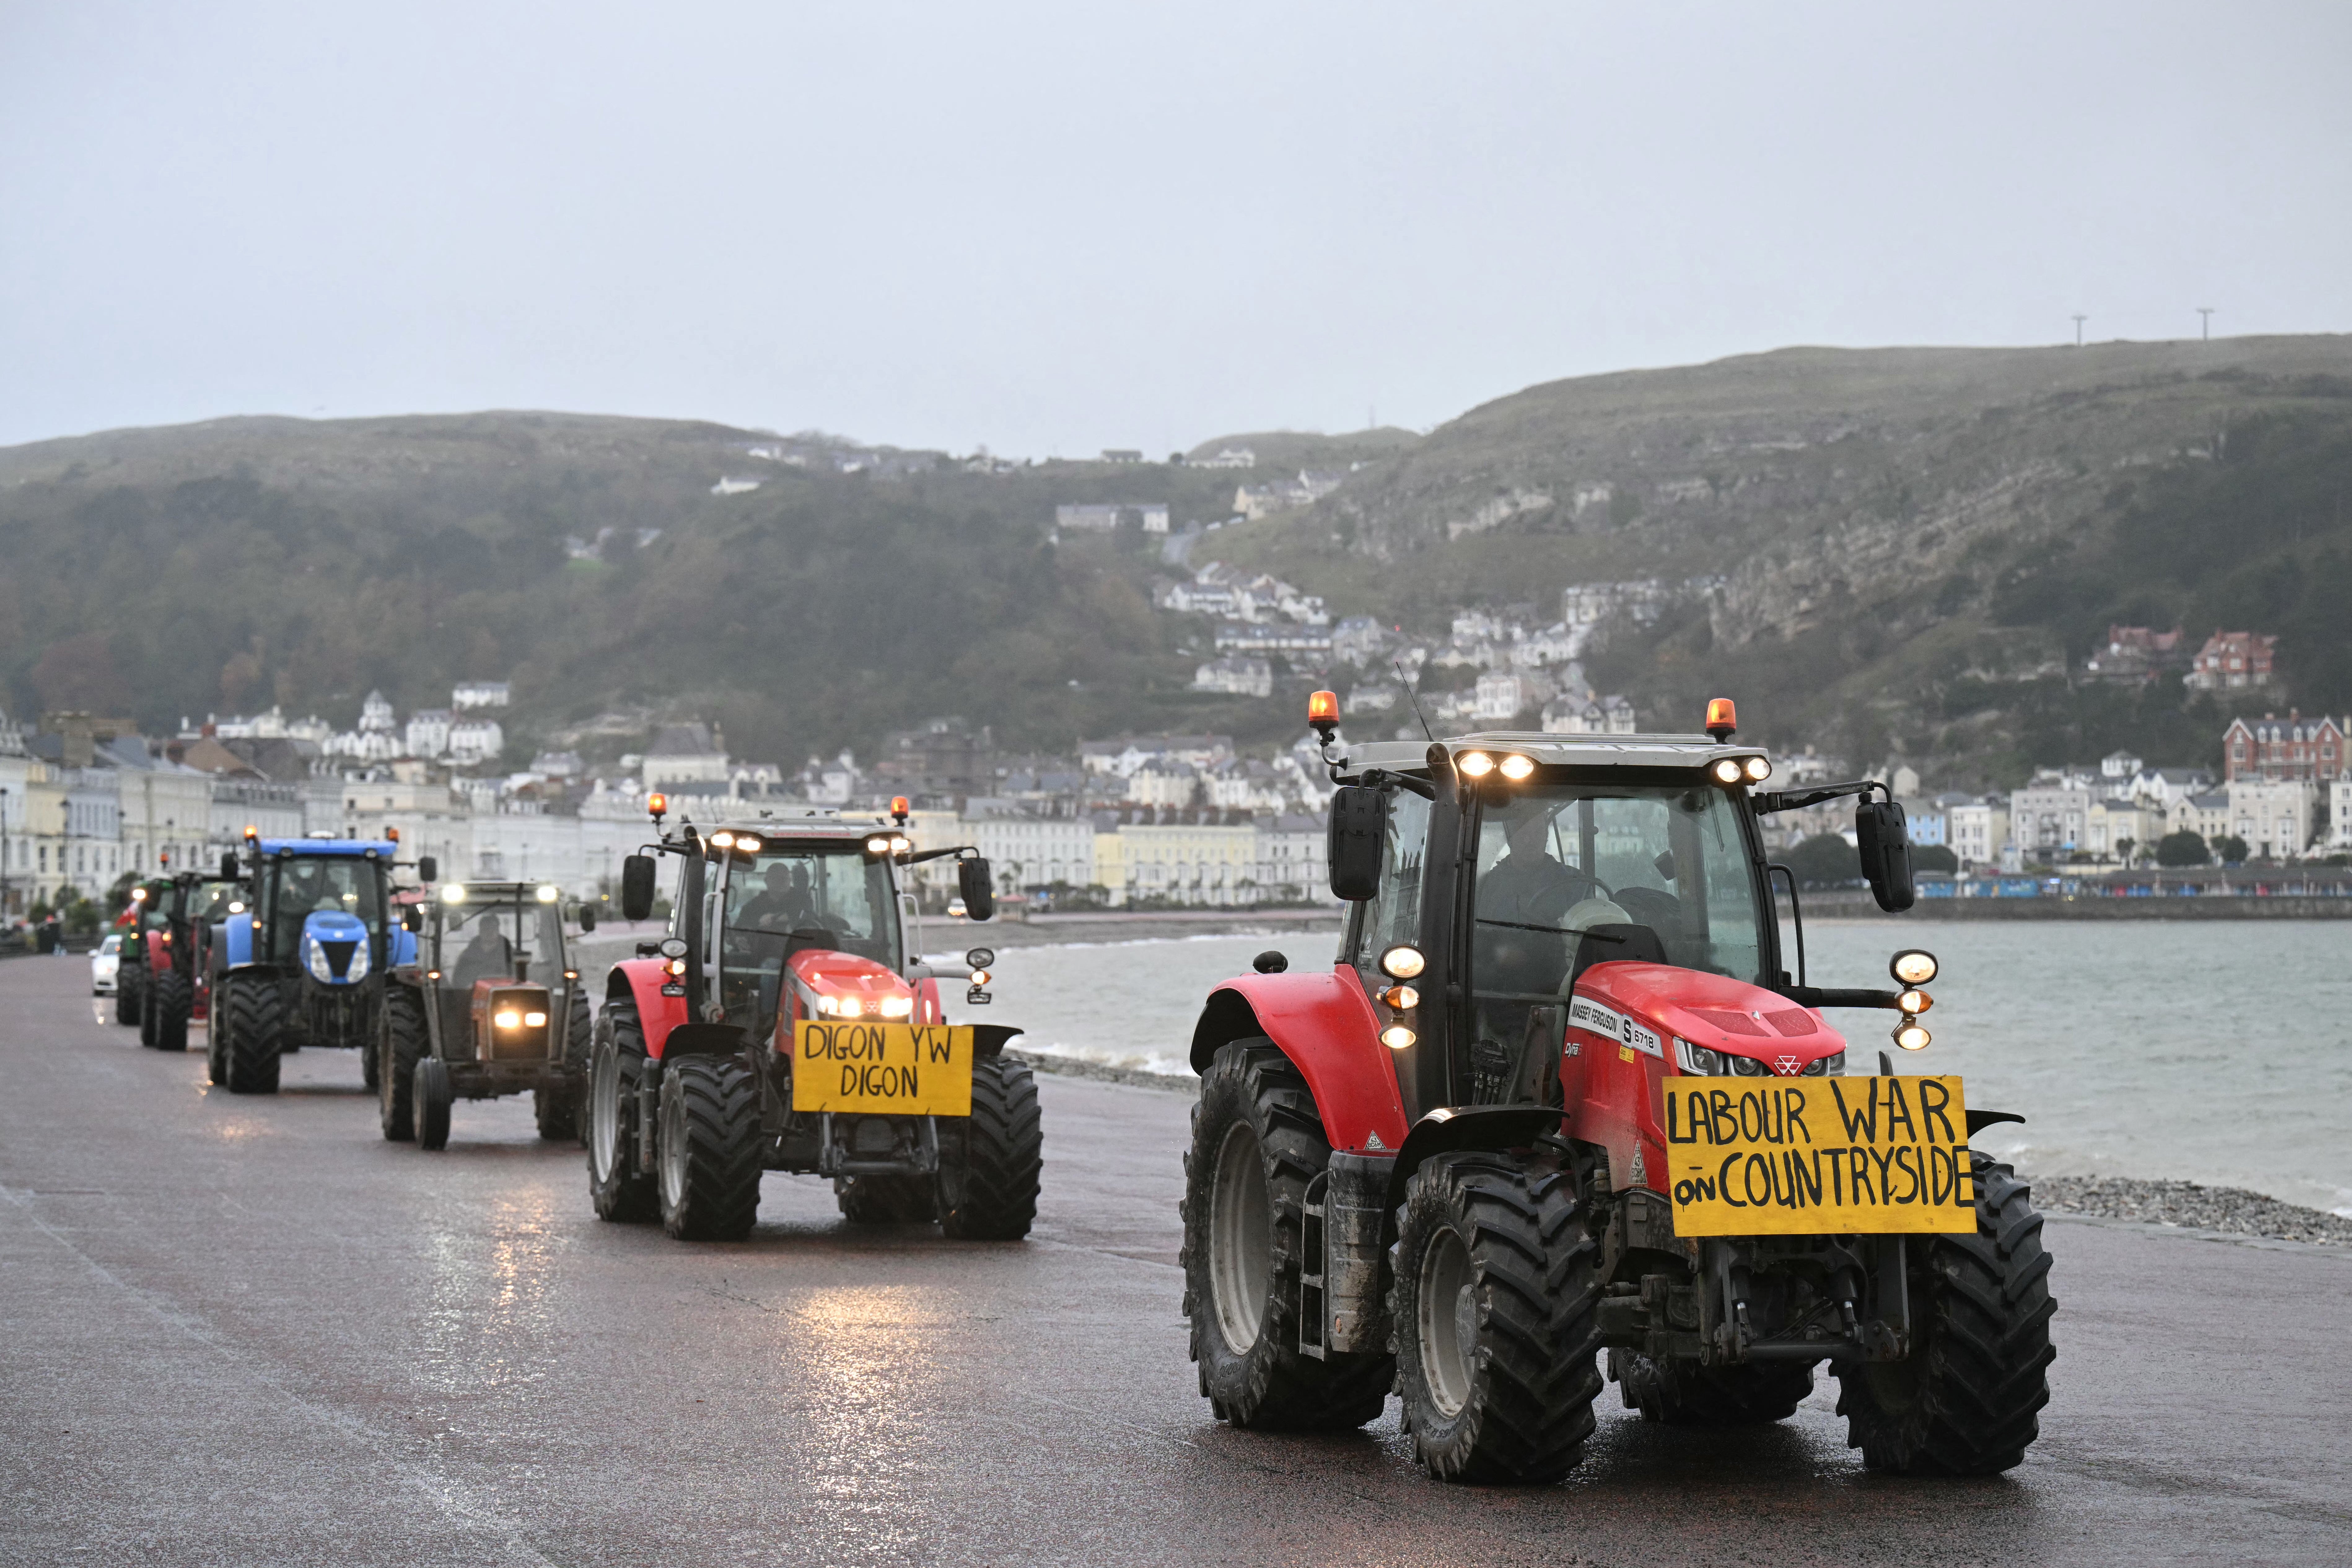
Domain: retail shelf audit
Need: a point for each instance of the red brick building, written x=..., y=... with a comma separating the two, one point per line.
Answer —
x=2232, y=660
x=2293, y=747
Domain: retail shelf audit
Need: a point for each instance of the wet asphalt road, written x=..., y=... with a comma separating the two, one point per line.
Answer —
x=249, y=1330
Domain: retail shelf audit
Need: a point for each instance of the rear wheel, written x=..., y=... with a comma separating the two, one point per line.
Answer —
x=165, y=1022
x=990, y=1161
x=1684, y=1393
x=1966, y=1401
x=888, y=1200
x=250, y=1058
x=707, y=1158
x=433, y=1098
x=1257, y=1140
x=126, y=998
x=557, y=1106
x=216, y=1032
x=1493, y=1313
x=400, y=1047
x=621, y=1192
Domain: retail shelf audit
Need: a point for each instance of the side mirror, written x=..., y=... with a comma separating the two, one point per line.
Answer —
x=637, y=888
x=587, y=917
x=1360, y=822
x=229, y=865
x=1884, y=841
x=428, y=869
x=972, y=881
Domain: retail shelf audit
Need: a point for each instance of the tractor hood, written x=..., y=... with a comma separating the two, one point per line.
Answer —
x=843, y=985
x=1714, y=1012
x=335, y=948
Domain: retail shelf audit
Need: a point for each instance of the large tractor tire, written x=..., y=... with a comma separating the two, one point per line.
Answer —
x=1257, y=1142
x=216, y=1032
x=621, y=1192
x=430, y=1103
x=126, y=997
x=707, y=1156
x=990, y=1161
x=164, y=1024
x=557, y=1108
x=888, y=1200
x=399, y=1048
x=1494, y=1316
x=249, y=1057
x=1684, y=1393
x=1965, y=1402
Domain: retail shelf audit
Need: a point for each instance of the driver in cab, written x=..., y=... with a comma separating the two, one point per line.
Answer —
x=783, y=904
x=1530, y=906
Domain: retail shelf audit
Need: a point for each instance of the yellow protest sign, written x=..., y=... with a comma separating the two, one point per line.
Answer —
x=1825, y=1156
x=883, y=1069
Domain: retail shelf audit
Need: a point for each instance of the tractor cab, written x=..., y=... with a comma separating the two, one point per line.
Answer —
x=1565, y=1090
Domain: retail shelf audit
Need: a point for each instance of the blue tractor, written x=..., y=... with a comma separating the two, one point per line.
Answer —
x=304, y=964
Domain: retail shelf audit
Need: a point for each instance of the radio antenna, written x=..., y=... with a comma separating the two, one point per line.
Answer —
x=1409, y=697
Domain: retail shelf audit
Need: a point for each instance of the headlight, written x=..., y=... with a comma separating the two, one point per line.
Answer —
x=1697, y=1060
x=1475, y=765
x=1726, y=771
x=1402, y=962
x=1913, y=1036
x=535, y=1020
x=878, y=845
x=453, y=892
x=506, y=1018
x=1396, y=1037
x=1757, y=769
x=829, y=1006
x=981, y=977
x=1826, y=1067
x=319, y=969
x=1516, y=767
x=1913, y=966
x=896, y=1007
x=747, y=844
x=358, y=969
x=548, y=895
x=722, y=839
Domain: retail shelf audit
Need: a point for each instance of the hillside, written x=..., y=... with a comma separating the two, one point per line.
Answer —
x=1890, y=550
x=1901, y=548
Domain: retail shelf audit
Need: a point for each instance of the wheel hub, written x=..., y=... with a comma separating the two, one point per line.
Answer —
x=1446, y=1306
x=1241, y=1239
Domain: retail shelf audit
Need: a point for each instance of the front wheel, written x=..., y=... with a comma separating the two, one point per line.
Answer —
x=1495, y=1308
x=621, y=1192
x=401, y=1047
x=126, y=1000
x=434, y=1097
x=1966, y=1401
x=990, y=1163
x=250, y=1055
x=164, y=1024
x=708, y=1157
x=1257, y=1140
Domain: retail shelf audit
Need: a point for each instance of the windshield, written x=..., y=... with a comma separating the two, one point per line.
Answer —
x=297, y=887
x=798, y=897
x=1574, y=874
x=507, y=940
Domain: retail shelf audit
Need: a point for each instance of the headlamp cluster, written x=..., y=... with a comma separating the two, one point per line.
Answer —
x=739, y=843
x=1912, y=968
x=1733, y=772
x=1402, y=962
x=1516, y=766
x=888, y=845
x=893, y=1007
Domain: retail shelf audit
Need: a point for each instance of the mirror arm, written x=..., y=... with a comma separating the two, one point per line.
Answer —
x=919, y=856
x=1378, y=778
x=1766, y=802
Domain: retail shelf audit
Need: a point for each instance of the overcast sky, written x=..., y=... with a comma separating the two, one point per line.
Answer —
x=1055, y=228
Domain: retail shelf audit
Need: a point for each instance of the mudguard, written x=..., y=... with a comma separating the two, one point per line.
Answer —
x=1449, y=1130
x=639, y=980
x=236, y=942
x=1324, y=1025
x=404, y=949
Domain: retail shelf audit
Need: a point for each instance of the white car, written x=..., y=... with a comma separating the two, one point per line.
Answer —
x=104, y=960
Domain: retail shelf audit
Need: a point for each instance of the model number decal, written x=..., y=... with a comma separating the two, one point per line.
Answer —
x=1641, y=1039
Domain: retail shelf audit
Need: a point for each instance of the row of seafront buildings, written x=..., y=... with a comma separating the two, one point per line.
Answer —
x=86, y=803
x=2285, y=792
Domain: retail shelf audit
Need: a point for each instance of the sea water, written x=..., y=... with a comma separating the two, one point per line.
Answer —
x=2214, y=1051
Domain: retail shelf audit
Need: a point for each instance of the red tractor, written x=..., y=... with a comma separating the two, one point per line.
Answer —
x=161, y=984
x=787, y=1024
x=1561, y=1095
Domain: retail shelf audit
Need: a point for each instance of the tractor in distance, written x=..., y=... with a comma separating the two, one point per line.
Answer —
x=161, y=984
x=1561, y=1094
x=305, y=964
x=787, y=1023
x=492, y=1006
